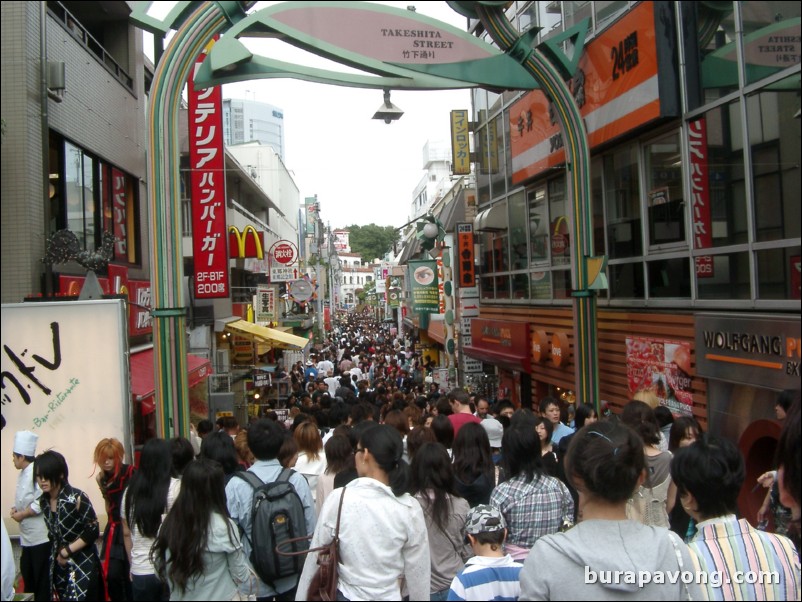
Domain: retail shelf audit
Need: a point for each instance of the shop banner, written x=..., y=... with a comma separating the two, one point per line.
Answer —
x=265, y=305
x=209, y=232
x=425, y=296
x=660, y=369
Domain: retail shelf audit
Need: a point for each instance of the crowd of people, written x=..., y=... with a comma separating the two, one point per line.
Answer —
x=433, y=495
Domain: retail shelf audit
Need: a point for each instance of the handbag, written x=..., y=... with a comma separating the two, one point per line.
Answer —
x=325, y=580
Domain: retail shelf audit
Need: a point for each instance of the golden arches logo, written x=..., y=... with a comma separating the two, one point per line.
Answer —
x=241, y=237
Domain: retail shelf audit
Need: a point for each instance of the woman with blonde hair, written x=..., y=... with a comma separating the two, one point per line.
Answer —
x=112, y=478
x=311, y=462
x=244, y=454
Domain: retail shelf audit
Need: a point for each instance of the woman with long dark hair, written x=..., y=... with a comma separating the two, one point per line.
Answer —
x=112, y=479
x=605, y=463
x=474, y=471
x=219, y=446
x=432, y=484
x=198, y=551
x=382, y=530
x=339, y=457
x=685, y=431
x=149, y=496
x=533, y=504
x=73, y=529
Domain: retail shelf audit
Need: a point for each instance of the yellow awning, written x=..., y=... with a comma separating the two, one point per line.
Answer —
x=275, y=337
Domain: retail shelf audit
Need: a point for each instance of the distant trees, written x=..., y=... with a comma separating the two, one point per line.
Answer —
x=372, y=241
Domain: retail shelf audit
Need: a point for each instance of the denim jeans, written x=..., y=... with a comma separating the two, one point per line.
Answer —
x=146, y=588
x=438, y=596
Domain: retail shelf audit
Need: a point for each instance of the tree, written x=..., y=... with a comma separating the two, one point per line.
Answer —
x=372, y=241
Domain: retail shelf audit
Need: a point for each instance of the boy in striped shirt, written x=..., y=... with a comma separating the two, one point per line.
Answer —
x=490, y=574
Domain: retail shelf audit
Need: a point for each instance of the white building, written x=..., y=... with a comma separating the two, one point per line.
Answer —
x=355, y=275
x=248, y=120
x=437, y=179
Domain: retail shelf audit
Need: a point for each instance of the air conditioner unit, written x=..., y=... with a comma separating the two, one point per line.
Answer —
x=222, y=361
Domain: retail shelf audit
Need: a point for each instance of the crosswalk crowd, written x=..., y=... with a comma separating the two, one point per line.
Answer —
x=433, y=495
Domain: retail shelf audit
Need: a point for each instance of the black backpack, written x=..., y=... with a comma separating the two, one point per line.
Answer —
x=277, y=514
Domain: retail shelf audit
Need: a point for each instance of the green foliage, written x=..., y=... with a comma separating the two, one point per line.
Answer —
x=372, y=241
x=362, y=293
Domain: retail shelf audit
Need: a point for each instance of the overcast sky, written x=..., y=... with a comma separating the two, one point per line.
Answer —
x=363, y=170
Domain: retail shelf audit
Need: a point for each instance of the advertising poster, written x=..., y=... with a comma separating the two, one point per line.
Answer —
x=424, y=291
x=660, y=368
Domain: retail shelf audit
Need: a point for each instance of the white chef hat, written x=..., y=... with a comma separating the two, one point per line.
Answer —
x=25, y=443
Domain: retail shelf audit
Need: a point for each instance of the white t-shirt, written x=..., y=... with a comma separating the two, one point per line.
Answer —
x=311, y=469
x=140, y=545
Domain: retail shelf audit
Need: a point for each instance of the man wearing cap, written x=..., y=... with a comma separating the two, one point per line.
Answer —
x=495, y=431
x=310, y=373
x=490, y=574
x=35, y=557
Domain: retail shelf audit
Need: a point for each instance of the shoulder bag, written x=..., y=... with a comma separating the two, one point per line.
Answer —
x=325, y=580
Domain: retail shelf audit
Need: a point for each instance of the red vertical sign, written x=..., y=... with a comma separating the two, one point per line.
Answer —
x=467, y=270
x=700, y=195
x=209, y=234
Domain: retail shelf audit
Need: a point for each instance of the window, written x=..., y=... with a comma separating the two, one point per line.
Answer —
x=538, y=226
x=519, y=252
x=80, y=190
x=664, y=198
x=622, y=196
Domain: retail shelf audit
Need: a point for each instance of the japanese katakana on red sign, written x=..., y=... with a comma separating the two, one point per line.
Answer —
x=208, y=185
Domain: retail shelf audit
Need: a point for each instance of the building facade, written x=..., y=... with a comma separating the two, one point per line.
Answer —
x=252, y=121
x=692, y=117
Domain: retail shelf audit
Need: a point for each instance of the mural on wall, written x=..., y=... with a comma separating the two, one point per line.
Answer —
x=658, y=371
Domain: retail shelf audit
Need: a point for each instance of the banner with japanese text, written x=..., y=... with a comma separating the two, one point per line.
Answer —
x=208, y=189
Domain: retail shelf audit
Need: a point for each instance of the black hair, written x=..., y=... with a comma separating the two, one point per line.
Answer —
x=265, y=438
x=582, y=413
x=546, y=402
x=432, y=476
x=523, y=418
x=472, y=454
x=443, y=430
x=387, y=448
x=29, y=459
x=786, y=399
x=712, y=470
x=608, y=459
x=501, y=405
x=205, y=427
x=51, y=466
x=679, y=427
x=186, y=528
x=521, y=447
x=146, y=494
x=492, y=538
x=219, y=446
x=640, y=417
x=663, y=416
x=339, y=454
x=183, y=454
x=417, y=437
x=443, y=406
x=547, y=424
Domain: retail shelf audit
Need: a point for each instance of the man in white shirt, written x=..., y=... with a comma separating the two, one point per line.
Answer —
x=324, y=365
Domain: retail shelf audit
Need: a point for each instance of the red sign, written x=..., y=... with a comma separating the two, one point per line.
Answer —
x=659, y=371
x=465, y=255
x=209, y=234
x=700, y=196
x=284, y=252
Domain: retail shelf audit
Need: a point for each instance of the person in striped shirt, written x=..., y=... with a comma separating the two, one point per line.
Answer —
x=742, y=563
x=490, y=574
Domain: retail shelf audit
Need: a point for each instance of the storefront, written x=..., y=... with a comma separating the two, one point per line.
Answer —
x=504, y=345
x=747, y=360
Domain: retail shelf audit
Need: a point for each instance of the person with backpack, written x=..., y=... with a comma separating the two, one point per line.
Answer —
x=255, y=497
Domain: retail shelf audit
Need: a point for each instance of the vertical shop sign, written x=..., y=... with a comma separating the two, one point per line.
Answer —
x=700, y=196
x=209, y=235
x=265, y=305
x=465, y=256
x=460, y=145
x=660, y=369
x=118, y=213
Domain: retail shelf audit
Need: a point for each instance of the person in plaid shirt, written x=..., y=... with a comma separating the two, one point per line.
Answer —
x=532, y=503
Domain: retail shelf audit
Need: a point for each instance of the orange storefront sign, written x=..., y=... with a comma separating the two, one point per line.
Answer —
x=617, y=88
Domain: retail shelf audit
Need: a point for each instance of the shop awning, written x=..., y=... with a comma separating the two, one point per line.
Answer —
x=494, y=218
x=275, y=337
x=509, y=361
x=436, y=331
x=143, y=383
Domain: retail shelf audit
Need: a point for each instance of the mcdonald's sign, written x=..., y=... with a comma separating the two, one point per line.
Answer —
x=248, y=243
